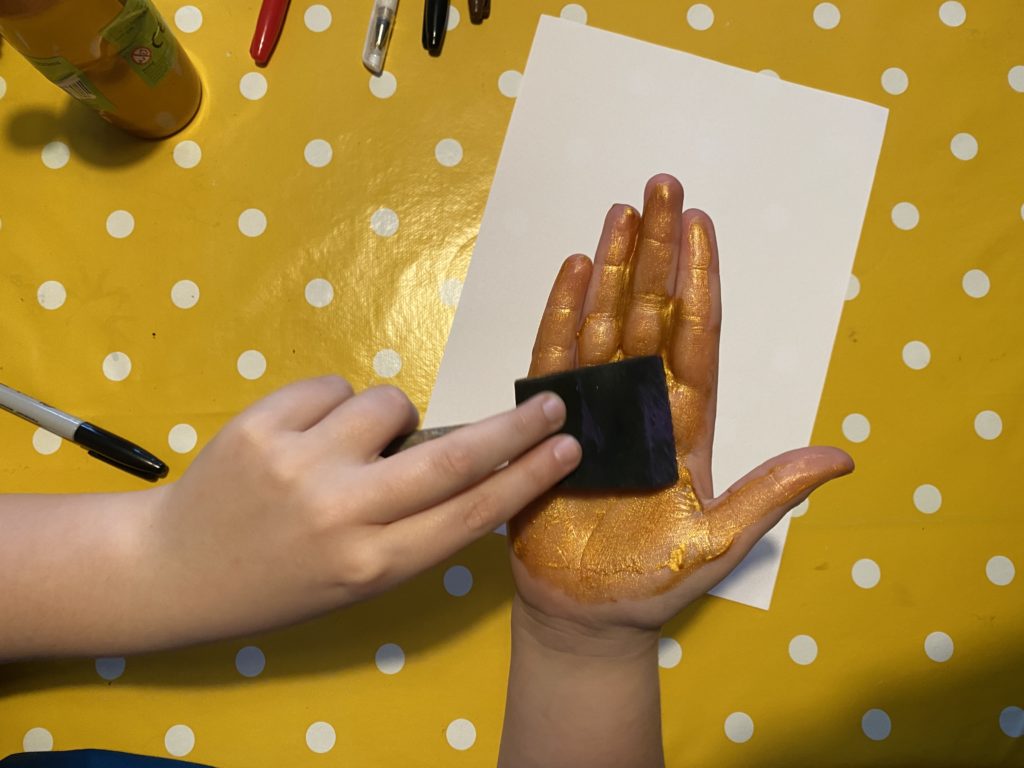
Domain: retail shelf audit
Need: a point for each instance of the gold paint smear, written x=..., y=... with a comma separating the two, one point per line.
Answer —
x=605, y=548
x=601, y=333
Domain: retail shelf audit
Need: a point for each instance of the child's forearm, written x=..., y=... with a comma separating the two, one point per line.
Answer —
x=577, y=699
x=73, y=574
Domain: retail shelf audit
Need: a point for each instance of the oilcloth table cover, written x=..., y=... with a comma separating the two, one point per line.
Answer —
x=313, y=219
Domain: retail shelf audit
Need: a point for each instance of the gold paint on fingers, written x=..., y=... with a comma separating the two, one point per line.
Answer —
x=766, y=494
x=693, y=349
x=699, y=240
x=555, y=347
x=645, y=327
x=623, y=237
x=600, y=335
x=649, y=306
x=598, y=338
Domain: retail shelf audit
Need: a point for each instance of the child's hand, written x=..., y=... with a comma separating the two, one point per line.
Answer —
x=635, y=560
x=597, y=575
x=290, y=511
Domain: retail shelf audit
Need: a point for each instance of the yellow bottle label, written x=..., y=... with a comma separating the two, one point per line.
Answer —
x=140, y=36
x=73, y=81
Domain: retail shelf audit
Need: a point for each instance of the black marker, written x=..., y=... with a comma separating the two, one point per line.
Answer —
x=479, y=10
x=100, y=444
x=435, y=24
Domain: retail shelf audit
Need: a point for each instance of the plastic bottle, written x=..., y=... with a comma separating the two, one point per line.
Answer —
x=117, y=56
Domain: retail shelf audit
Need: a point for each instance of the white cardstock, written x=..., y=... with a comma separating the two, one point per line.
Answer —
x=785, y=172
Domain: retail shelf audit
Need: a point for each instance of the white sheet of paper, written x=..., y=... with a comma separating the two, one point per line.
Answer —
x=785, y=171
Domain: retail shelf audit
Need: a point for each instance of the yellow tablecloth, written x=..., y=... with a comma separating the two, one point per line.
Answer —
x=311, y=220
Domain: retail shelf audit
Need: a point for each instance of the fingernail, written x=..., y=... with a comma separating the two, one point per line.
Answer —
x=627, y=213
x=567, y=450
x=554, y=409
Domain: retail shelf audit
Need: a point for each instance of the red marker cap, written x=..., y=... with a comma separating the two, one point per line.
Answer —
x=268, y=30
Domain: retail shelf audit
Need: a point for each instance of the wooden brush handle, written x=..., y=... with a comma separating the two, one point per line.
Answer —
x=418, y=437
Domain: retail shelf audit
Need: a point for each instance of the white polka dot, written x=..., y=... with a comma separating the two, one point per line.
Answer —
x=856, y=428
x=461, y=734
x=37, y=740
x=3, y=85
x=384, y=85
x=866, y=573
x=250, y=661
x=458, y=580
x=803, y=649
x=117, y=366
x=179, y=740
x=251, y=364
x=448, y=152
x=1015, y=77
x=45, y=443
x=120, y=224
x=916, y=355
x=988, y=425
x=454, y=17
x=952, y=13
x=253, y=86
x=187, y=154
x=964, y=146
x=739, y=727
x=252, y=222
x=769, y=73
x=318, y=153
x=938, y=646
x=670, y=653
x=451, y=292
x=700, y=16
x=384, y=222
x=1000, y=570
x=927, y=499
x=895, y=81
x=826, y=15
x=184, y=294
x=574, y=12
x=976, y=283
x=318, y=18
x=319, y=292
x=852, y=288
x=188, y=18
x=800, y=509
x=387, y=363
x=1011, y=722
x=320, y=737
x=51, y=295
x=905, y=215
x=876, y=724
x=390, y=658
x=55, y=155
x=182, y=438
x=508, y=83
x=110, y=667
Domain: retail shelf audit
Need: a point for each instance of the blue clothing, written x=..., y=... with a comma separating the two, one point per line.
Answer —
x=90, y=758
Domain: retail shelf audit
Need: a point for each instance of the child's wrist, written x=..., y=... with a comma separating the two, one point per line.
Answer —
x=563, y=637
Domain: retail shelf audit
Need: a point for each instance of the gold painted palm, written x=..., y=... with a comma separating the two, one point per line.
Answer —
x=653, y=289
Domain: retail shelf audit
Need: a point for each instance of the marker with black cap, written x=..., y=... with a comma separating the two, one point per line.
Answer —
x=435, y=24
x=100, y=444
x=479, y=10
